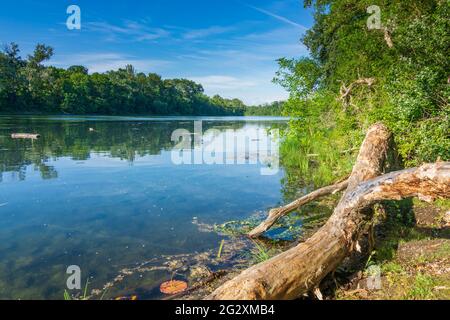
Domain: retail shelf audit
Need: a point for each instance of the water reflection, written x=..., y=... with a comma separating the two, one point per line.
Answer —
x=104, y=194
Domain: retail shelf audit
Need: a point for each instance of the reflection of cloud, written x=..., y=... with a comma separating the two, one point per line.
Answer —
x=102, y=62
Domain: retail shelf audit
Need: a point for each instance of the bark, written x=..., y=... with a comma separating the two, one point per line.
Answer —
x=277, y=213
x=301, y=268
x=346, y=91
x=25, y=136
x=388, y=38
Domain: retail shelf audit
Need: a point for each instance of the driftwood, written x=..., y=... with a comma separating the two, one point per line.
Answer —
x=277, y=213
x=388, y=38
x=301, y=269
x=346, y=91
x=25, y=136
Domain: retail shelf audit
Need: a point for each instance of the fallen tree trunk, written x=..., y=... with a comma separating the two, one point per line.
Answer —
x=369, y=164
x=301, y=269
x=277, y=213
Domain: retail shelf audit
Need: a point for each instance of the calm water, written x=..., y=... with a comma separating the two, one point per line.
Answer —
x=112, y=198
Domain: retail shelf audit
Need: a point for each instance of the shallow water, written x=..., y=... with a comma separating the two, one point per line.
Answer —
x=105, y=194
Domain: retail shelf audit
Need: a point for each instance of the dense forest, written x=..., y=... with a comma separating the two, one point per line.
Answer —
x=27, y=85
x=268, y=109
x=361, y=71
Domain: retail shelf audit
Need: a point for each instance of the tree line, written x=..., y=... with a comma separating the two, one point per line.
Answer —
x=27, y=85
x=268, y=109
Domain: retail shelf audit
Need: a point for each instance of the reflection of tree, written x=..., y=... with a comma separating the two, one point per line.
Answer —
x=119, y=139
x=47, y=172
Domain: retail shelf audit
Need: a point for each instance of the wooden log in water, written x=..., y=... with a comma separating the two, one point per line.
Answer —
x=276, y=214
x=25, y=136
x=301, y=269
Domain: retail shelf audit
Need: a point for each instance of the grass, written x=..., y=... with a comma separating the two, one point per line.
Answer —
x=422, y=288
x=220, y=249
x=392, y=267
x=317, y=158
x=417, y=271
x=68, y=296
x=260, y=253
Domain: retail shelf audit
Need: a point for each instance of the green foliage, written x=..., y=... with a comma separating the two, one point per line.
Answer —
x=269, y=109
x=410, y=93
x=26, y=85
x=393, y=268
x=422, y=288
x=299, y=77
x=261, y=252
x=219, y=253
x=67, y=296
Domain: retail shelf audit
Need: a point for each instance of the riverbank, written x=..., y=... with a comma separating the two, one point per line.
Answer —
x=403, y=255
x=411, y=252
x=413, y=257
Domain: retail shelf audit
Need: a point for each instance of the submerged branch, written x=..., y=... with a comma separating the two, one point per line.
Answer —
x=276, y=214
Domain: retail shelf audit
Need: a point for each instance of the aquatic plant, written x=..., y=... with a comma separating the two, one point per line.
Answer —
x=220, y=249
x=260, y=253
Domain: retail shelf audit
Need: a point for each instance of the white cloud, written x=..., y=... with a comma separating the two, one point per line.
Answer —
x=223, y=82
x=102, y=62
x=252, y=89
x=130, y=30
x=203, y=33
x=278, y=17
x=242, y=66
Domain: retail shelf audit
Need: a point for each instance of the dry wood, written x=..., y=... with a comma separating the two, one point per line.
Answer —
x=300, y=269
x=277, y=213
x=388, y=38
x=25, y=136
x=346, y=91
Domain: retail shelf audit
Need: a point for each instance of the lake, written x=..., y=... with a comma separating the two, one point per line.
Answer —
x=109, y=194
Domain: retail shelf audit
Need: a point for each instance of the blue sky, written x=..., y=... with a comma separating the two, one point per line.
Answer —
x=229, y=46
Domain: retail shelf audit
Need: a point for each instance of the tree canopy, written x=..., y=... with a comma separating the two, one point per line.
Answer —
x=27, y=85
x=355, y=75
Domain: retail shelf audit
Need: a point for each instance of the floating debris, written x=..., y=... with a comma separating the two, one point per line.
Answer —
x=202, y=227
x=173, y=287
x=125, y=298
x=199, y=272
x=32, y=136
